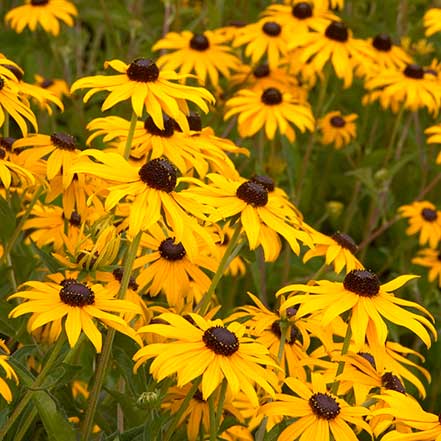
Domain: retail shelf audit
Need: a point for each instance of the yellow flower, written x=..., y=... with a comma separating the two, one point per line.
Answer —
x=424, y=219
x=211, y=350
x=430, y=258
x=10, y=172
x=318, y=412
x=271, y=109
x=362, y=294
x=5, y=391
x=203, y=54
x=432, y=21
x=338, y=129
x=434, y=137
x=46, y=13
x=56, y=86
x=79, y=303
x=146, y=86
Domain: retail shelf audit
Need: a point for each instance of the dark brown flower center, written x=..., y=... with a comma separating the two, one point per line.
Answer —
x=160, y=174
x=271, y=28
x=153, y=129
x=194, y=121
x=253, y=193
x=39, y=2
x=291, y=338
x=337, y=122
x=265, y=181
x=64, y=141
x=261, y=71
x=324, y=406
x=392, y=382
x=75, y=219
x=75, y=293
x=337, y=31
x=46, y=83
x=198, y=396
x=2, y=153
x=429, y=214
x=170, y=250
x=414, y=71
x=382, y=42
x=345, y=241
x=362, y=282
x=118, y=274
x=369, y=357
x=2, y=83
x=143, y=70
x=220, y=340
x=7, y=143
x=271, y=96
x=199, y=42
x=15, y=70
x=431, y=72
x=302, y=10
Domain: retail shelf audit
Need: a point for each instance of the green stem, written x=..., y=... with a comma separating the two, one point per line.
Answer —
x=203, y=304
x=130, y=134
x=103, y=362
x=182, y=408
x=35, y=385
x=25, y=424
x=393, y=136
x=220, y=404
x=341, y=363
x=213, y=427
x=6, y=126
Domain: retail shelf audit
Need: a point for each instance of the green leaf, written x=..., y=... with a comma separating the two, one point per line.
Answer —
x=49, y=261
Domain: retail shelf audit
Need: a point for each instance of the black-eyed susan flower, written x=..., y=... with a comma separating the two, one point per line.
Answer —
x=10, y=171
x=410, y=87
x=264, y=213
x=8, y=372
x=434, y=137
x=168, y=268
x=266, y=38
x=431, y=259
x=211, y=350
x=319, y=413
x=424, y=218
x=56, y=86
x=338, y=129
x=146, y=86
x=204, y=54
x=271, y=109
x=46, y=13
x=11, y=104
x=338, y=249
x=369, y=302
x=78, y=303
x=334, y=44
x=432, y=21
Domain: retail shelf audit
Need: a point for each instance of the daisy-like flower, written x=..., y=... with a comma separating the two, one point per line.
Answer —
x=338, y=129
x=272, y=109
x=339, y=249
x=10, y=374
x=204, y=54
x=410, y=87
x=10, y=172
x=11, y=104
x=78, y=303
x=46, y=13
x=425, y=219
x=146, y=86
x=266, y=38
x=369, y=302
x=168, y=268
x=319, y=413
x=264, y=212
x=431, y=259
x=56, y=86
x=301, y=16
x=432, y=20
x=211, y=350
x=335, y=44
x=434, y=137
x=153, y=189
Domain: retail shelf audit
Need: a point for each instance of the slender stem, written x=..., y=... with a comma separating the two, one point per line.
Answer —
x=341, y=363
x=213, y=427
x=220, y=404
x=184, y=405
x=393, y=136
x=130, y=134
x=103, y=362
x=25, y=424
x=6, y=126
x=35, y=385
x=203, y=304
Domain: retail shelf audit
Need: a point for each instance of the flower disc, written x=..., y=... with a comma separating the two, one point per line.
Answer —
x=253, y=193
x=159, y=174
x=324, y=406
x=143, y=70
x=75, y=293
x=171, y=251
x=362, y=282
x=220, y=340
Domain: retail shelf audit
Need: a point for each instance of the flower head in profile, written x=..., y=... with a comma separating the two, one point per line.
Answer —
x=199, y=347
x=203, y=54
x=424, y=218
x=271, y=109
x=369, y=302
x=7, y=371
x=46, y=13
x=338, y=129
x=12, y=173
x=434, y=137
x=76, y=302
x=431, y=259
x=432, y=21
x=318, y=413
x=147, y=86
